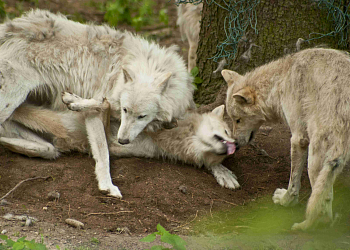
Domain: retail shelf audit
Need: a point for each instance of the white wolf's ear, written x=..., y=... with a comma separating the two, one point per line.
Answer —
x=245, y=96
x=127, y=77
x=162, y=81
x=230, y=76
x=219, y=111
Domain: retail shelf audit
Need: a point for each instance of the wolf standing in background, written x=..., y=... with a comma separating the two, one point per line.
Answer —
x=43, y=54
x=310, y=92
x=188, y=19
x=199, y=139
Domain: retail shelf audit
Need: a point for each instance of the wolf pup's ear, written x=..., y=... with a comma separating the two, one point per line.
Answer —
x=162, y=81
x=219, y=111
x=244, y=96
x=230, y=76
x=127, y=77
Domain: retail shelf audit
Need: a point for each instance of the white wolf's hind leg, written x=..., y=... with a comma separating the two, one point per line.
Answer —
x=298, y=157
x=14, y=87
x=23, y=141
x=225, y=177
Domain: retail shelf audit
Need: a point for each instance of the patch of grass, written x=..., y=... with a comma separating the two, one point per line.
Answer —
x=264, y=225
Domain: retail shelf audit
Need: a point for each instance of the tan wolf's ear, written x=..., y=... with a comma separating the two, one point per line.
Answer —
x=230, y=76
x=127, y=77
x=219, y=111
x=162, y=80
x=244, y=96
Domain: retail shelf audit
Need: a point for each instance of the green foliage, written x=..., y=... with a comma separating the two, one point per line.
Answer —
x=197, y=80
x=137, y=13
x=20, y=244
x=176, y=241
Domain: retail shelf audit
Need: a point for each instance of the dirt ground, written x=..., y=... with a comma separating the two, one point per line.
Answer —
x=150, y=187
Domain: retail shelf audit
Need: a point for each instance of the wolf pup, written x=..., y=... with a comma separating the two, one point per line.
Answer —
x=199, y=139
x=43, y=54
x=188, y=19
x=309, y=91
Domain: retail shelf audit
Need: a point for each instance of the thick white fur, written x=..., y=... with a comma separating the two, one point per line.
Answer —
x=193, y=141
x=310, y=92
x=43, y=54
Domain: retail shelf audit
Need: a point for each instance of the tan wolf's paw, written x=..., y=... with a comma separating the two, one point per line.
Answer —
x=303, y=226
x=225, y=177
x=282, y=197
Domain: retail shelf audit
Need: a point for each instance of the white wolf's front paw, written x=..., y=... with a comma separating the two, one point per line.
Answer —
x=282, y=197
x=225, y=177
x=110, y=190
x=72, y=101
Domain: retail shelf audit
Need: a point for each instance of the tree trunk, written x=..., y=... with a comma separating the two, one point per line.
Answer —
x=280, y=23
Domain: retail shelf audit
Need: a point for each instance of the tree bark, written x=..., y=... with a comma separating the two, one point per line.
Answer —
x=280, y=23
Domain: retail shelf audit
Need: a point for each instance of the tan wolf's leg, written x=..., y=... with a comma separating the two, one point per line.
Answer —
x=192, y=55
x=23, y=141
x=322, y=174
x=298, y=160
x=96, y=121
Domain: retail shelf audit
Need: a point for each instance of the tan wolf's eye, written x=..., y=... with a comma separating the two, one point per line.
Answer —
x=141, y=116
x=125, y=111
x=226, y=132
x=238, y=121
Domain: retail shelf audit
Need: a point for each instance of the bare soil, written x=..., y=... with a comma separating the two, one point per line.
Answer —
x=150, y=187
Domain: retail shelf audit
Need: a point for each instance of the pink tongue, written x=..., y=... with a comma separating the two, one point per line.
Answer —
x=231, y=148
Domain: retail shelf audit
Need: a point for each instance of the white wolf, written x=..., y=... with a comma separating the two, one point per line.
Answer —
x=43, y=54
x=188, y=19
x=199, y=139
x=310, y=92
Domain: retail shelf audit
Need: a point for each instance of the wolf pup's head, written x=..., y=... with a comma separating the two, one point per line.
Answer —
x=243, y=107
x=215, y=136
x=140, y=104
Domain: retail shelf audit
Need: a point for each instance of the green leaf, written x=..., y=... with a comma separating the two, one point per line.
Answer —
x=194, y=71
x=198, y=80
x=3, y=237
x=18, y=246
x=157, y=248
x=149, y=238
x=162, y=230
x=176, y=241
x=21, y=239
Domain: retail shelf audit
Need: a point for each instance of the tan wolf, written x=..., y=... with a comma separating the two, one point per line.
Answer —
x=199, y=139
x=310, y=92
x=188, y=19
x=43, y=54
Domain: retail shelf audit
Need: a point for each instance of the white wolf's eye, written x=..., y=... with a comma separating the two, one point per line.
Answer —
x=141, y=116
x=125, y=111
x=226, y=132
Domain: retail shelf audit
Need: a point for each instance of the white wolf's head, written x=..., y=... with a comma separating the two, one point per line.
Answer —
x=140, y=104
x=243, y=106
x=215, y=136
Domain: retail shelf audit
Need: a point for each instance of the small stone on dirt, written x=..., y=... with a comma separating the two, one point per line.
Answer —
x=29, y=222
x=183, y=189
x=4, y=231
x=53, y=195
x=75, y=223
x=4, y=203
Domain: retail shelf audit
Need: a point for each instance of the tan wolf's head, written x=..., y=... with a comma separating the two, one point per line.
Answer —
x=214, y=136
x=140, y=104
x=243, y=107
